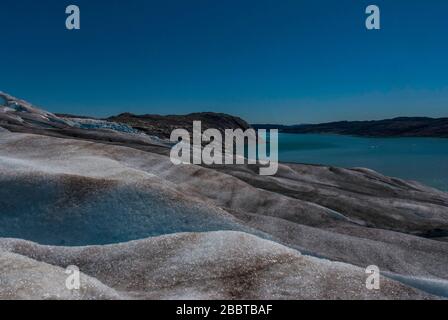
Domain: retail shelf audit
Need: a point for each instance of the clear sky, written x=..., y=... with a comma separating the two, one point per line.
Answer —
x=268, y=61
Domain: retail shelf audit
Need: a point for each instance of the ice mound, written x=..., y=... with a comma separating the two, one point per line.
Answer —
x=23, y=114
x=77, y=211
x=23, y=278
x=291, y=208
x=93, y=124
x=215, y=265
x=20, y=112
x=433, y=286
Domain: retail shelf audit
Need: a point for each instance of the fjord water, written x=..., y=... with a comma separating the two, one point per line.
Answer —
x=422, y=159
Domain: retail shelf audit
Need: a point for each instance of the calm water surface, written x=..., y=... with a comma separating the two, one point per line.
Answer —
x=421, y=159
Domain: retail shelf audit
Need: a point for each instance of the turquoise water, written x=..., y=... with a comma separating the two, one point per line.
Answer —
x=421, y=159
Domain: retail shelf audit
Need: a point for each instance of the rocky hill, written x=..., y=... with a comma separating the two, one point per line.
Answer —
x=162, y=126
x=397, y=127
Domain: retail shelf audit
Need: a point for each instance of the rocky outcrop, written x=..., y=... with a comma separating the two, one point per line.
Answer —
x=162, y=126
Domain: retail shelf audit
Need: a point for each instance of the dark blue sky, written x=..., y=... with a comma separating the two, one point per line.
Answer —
x=266, y=61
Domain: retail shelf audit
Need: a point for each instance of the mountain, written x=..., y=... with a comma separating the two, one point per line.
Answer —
x=397, y=127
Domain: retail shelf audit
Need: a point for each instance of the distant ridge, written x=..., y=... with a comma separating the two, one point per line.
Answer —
x=397, y=127
x=162, y=126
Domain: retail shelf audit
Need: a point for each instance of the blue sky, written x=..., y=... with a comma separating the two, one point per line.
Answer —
x=270, y=61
